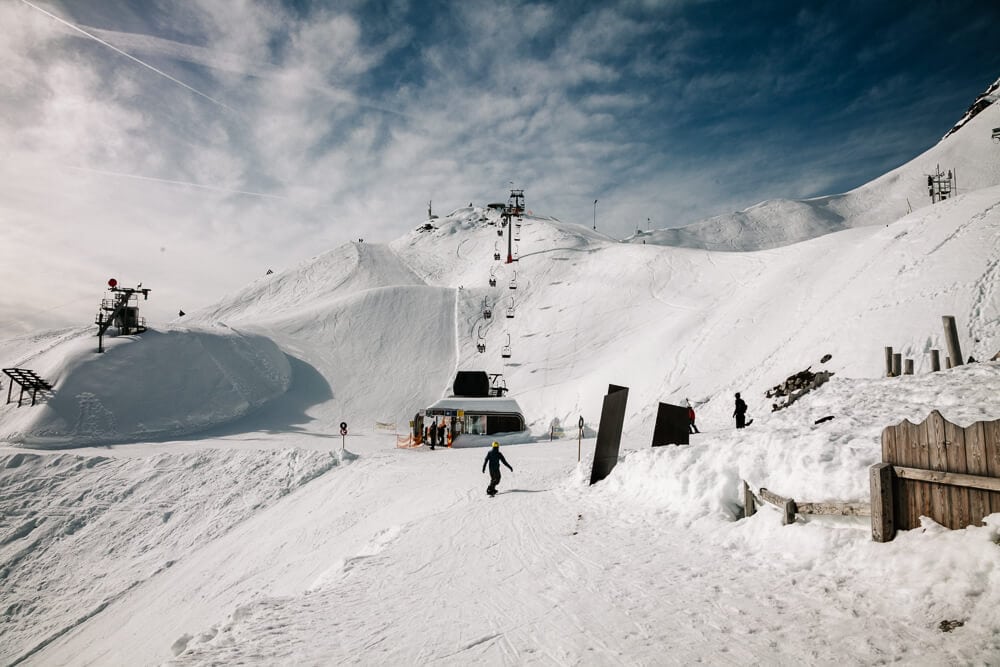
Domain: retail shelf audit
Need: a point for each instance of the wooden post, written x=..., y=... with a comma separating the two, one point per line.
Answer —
x=951, y=336
x=908, y=367
x=947, y=362
x=888, y=361
x=897, y=364
x=749, y=504
x=935, y=361
x=883, y=522
x=789, y=511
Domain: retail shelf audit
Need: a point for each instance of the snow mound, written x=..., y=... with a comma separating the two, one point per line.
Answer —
x=162, y=384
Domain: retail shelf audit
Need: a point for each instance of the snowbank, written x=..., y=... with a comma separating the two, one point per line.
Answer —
x=161, y=384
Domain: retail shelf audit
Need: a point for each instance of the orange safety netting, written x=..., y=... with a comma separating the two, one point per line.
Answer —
x=407, y=441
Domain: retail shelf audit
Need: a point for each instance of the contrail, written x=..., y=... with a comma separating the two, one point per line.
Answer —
x=130, y=57
x=171, y=182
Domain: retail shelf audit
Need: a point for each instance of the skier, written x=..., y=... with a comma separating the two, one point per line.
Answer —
x=691, y=426
x=740, y=412
x=494, y=458
x=434, y=434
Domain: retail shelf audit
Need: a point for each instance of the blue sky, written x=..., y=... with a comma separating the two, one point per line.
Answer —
x=273, y=131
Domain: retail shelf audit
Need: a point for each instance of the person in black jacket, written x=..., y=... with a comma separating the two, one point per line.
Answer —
x=740, y=412
x=494, y=458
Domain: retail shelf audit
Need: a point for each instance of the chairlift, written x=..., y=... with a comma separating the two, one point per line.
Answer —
x=996, y=135
x=496, y=251
x=487, y=311
x=510, y=309
x=513, y=281
x=500, y=232
x=493, y=278
x=505, y=351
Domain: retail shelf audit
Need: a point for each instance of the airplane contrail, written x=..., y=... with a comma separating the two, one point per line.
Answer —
x=130, y=57
x=172, y=182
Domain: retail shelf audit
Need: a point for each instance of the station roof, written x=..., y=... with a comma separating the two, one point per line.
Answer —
x=480, y=406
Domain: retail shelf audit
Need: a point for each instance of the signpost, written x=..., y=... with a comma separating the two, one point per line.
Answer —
x=343, y=434
x=579, y=440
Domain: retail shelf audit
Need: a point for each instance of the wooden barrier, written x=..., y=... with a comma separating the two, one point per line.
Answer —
x=935, y=469
x=790, y=507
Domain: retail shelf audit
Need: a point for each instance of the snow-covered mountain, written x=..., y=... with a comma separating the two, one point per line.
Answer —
x=209, y=512
x=970, y=155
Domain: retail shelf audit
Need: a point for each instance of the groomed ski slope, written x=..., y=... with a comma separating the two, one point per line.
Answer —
x=256, y=550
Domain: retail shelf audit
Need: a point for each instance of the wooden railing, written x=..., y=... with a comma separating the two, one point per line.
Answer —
x=790, y=507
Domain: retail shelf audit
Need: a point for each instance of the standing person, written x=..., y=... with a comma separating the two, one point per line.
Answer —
x=740, y=412
x=494, y=458
x=434, y=434
x=691, y=425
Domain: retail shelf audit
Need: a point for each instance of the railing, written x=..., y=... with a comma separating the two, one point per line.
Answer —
x=790, y=507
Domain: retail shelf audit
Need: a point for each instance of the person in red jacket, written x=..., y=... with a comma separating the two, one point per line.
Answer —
x=691, y=425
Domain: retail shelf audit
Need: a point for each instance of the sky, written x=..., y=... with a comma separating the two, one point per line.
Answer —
x=194, y=145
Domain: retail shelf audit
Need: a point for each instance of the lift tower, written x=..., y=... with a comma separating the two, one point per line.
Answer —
x=513, y=209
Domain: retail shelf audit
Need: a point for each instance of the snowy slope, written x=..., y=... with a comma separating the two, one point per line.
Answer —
x=163, y=384
x=670, y=323
x=970, y=154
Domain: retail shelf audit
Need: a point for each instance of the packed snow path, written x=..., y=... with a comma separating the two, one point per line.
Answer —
x=398, y=557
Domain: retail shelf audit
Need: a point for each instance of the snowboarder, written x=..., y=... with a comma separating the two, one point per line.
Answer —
x=494, y=458
x=691, y=425
x=740, y=412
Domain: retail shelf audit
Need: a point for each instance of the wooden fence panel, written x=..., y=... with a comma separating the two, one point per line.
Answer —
x=955, y=457
x=933, y=439
x=991, y=432
x=975, y=463
x=942, y=471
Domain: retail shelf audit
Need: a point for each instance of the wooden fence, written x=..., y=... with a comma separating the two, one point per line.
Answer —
x=938, y=470
x=789, y=507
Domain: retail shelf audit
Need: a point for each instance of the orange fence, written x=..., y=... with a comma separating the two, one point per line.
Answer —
x=407, y=441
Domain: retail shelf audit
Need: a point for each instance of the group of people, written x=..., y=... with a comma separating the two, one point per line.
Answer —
x=739, y=412
x=436, y=434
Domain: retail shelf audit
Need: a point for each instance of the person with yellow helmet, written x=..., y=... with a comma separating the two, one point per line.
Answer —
x=494, y=458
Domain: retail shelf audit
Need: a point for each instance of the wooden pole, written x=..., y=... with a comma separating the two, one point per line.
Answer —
x=935, y=360
x=888, y=361
x=749, y=504
x=789, y=511
x=882, y=477
x=951, y=336
x=897, y=364
x=947, y=362
x=908, y=367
